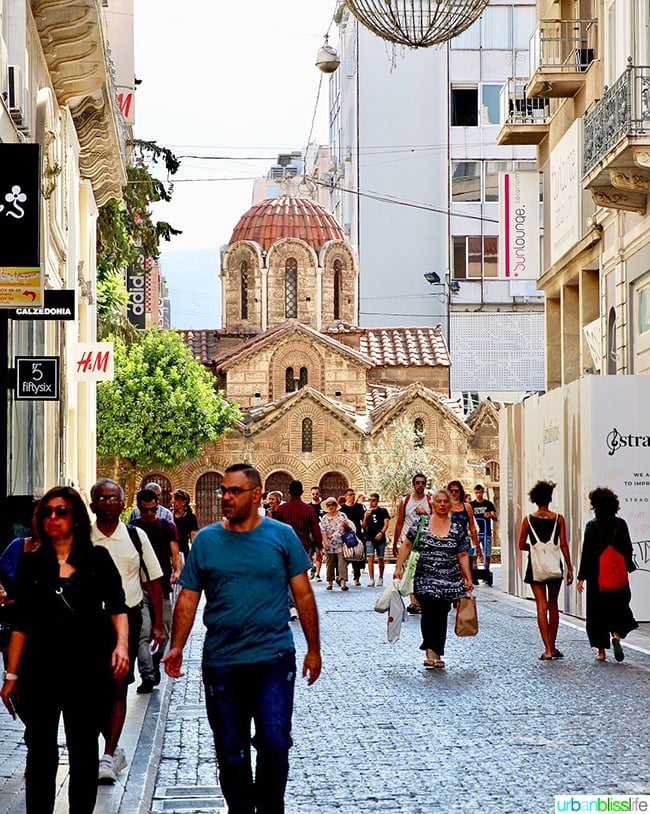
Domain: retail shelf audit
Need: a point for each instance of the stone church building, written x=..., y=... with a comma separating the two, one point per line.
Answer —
x=317, y=391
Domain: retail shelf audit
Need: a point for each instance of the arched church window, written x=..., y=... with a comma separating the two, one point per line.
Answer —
x=338, y=268
x=289, y=381
x=418, y=433
x=302, y=380
x=307, y=434
x=291, y=288
x=611, y=343
x=244, y=290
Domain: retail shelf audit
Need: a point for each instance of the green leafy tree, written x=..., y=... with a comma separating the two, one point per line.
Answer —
x=160, y=407
x=127, y=232
x=396, y=459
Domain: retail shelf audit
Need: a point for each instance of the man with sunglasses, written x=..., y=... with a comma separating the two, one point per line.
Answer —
x=163, y=535
x=108, y=530
x=244, y=564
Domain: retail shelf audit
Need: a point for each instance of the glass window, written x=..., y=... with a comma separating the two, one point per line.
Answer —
x=418, y=432
x=302, y=380
x=475, y=257
x=470, y=39
x=492, y=170
x=496, y=22
x=244, y=290
x=644, y=310
x=337, y=289
x=524, y=25
x=490, y=108
x=291, y=288
x=464, y=107
x=465, y=180
x=290, y=384
x=307, y=434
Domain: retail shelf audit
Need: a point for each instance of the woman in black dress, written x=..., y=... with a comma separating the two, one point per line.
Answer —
x=545, y=525
x=185, y=521
x=608, y=611
x=68, y=644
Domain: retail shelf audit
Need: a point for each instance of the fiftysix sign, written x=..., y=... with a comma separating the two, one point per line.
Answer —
x=37, y=378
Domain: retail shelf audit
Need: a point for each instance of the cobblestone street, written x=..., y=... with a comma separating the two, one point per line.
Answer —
x=496, y=732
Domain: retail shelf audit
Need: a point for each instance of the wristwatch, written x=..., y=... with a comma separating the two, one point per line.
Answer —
x=9, y=676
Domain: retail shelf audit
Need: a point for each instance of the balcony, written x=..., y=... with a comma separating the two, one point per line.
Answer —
x=561, y=52
x=616, y=158
x=524, y=120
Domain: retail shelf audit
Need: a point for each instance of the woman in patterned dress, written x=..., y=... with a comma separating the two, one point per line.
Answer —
x=442, y=576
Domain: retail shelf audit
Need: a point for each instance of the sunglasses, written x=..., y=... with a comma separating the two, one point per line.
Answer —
x=235, y=491
x=54, y=511
x=148, y=509
x=454, y=490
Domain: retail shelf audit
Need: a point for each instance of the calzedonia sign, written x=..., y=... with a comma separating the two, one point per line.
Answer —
x=58, y=304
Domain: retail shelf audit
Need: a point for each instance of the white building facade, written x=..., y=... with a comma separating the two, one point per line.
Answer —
x=416, y=168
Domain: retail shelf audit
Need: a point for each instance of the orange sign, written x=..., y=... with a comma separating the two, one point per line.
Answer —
x=20, y=286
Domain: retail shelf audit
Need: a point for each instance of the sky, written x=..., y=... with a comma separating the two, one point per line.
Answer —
x=226, y=79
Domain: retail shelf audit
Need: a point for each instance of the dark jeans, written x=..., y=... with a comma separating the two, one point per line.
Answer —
x=263, y=693
x=433, y=623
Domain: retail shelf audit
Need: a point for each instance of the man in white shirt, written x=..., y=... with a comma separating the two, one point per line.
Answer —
x=107, y=502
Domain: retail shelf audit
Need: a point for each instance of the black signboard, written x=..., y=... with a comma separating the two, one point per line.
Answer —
x=37, y=378
x=20, y=205
x=59, y=304
x=136, y=281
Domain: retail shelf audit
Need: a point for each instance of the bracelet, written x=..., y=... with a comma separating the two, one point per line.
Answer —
x=10, y=676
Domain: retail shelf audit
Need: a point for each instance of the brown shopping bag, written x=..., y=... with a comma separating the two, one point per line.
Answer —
x=466, y=617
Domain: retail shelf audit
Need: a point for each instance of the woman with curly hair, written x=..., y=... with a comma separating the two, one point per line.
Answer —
x=544, y=526
x=608, y=610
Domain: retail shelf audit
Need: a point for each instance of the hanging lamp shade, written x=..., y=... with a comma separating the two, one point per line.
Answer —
x=327, y=59
x=417, y=23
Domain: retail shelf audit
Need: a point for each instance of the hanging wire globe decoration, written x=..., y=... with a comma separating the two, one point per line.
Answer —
x=417, y=23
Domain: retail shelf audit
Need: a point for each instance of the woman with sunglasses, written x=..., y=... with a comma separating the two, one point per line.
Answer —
x=185, y=520
x=68, y=643
x=462, y=512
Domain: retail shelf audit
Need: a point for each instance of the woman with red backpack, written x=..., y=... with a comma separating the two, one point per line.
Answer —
x=605, y=563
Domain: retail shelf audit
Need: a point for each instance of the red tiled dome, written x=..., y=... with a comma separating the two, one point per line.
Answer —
x=275, y=218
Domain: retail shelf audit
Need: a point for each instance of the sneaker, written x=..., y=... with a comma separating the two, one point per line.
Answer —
x=380, y=582
x=119, y=760
x=371, y=584
x=293, y=614
x=146, y=687
x=317, y=578
x=312, y=573
x=357, y=584
x=106, y=774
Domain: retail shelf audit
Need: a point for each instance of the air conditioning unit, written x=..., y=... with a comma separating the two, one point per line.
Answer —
x=16, y=96
x=4, y=69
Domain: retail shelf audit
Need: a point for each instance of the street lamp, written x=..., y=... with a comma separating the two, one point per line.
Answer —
x=449, y=287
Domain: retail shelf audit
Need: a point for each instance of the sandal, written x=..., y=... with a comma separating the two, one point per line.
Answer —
x=619, y=655
x=544, y=657
x=558, y=654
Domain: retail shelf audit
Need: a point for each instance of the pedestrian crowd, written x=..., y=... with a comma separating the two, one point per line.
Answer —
x=96, y=597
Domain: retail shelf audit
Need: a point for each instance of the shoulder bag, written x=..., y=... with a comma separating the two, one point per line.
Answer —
x=411, y=562
x=612, y=568
x=545, y=557
x=353, y=548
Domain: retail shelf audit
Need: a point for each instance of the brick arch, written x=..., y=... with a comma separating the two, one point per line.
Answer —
x=312, y=411
x=333, y=463
x=337, y=250
x=287, y=247
x=293, y=354
x=281, y=462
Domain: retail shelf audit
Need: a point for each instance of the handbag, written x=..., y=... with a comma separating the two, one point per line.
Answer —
x=466, y=623
x=411, y=562
x=612, y=568
x=353, y=548
x=545, y=556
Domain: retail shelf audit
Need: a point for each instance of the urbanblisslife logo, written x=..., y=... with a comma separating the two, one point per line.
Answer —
x=618, y=440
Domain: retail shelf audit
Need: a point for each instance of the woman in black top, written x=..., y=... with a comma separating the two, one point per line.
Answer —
x=68, y=644
x=546, y=525
x=608, y=611
x=185, y=521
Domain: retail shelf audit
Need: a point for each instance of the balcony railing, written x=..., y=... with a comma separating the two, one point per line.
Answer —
x=624, y=111
x=518, y=108
x=563, y=45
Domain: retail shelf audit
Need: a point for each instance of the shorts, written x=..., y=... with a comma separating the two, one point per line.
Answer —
x=376, y=547
x=486, y=547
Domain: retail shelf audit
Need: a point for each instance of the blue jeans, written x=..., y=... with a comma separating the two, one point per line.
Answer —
x=234, y=696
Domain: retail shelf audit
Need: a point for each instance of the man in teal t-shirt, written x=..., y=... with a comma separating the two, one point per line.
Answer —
x=245, y=564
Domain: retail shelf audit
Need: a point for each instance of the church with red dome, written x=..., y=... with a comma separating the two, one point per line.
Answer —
x=317, y=391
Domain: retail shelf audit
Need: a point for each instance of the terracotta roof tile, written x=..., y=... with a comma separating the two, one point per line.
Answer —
x=287, y=216
x=405, y=346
